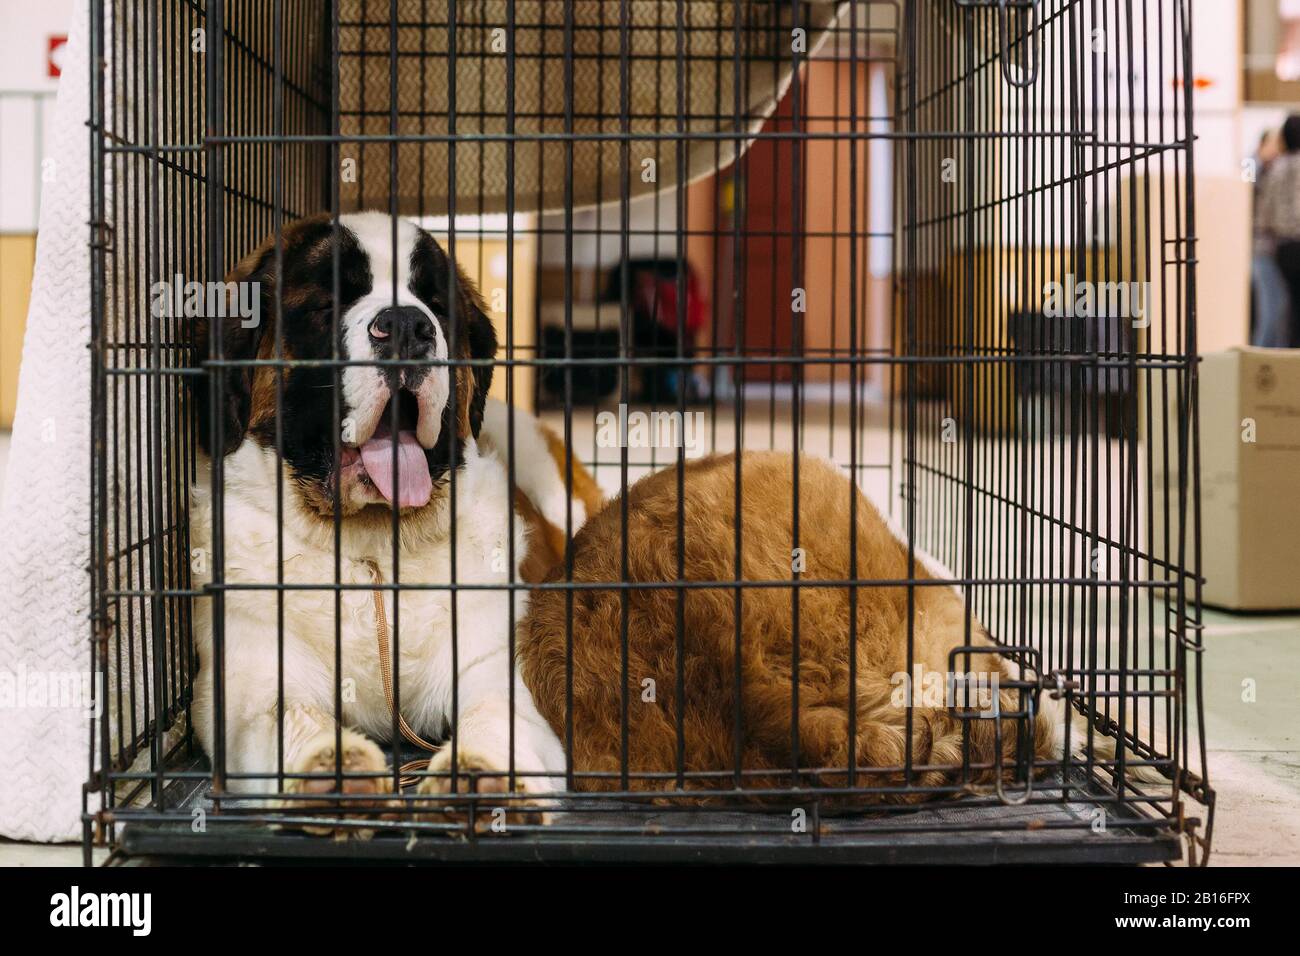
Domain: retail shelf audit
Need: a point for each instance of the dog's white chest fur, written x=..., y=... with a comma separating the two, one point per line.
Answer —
x=420, y=628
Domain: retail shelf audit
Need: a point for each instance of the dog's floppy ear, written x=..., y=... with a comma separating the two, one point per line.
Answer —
x=470, y=334
x=475, y=338
x=240, y=340
x=481, y=337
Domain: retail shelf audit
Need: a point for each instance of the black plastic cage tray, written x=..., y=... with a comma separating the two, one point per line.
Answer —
x=969, y=832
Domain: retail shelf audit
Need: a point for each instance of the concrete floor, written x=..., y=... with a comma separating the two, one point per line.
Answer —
x=1253, y=746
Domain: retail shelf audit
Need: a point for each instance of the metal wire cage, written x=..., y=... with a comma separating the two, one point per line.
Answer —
x=986, y=207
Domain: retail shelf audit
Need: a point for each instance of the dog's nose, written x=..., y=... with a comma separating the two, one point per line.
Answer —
x=403, y=331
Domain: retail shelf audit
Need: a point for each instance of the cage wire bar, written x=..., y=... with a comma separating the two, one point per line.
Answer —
x=1050, y=462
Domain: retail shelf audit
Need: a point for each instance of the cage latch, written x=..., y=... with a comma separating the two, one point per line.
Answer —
x=1029, y=69
x=1031, y=682
x=998, y=771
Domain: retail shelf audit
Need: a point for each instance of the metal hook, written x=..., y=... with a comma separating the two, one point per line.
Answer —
x=1022, y=797
x=1030, y=71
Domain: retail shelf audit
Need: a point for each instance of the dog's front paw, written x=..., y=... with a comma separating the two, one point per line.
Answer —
x=360, y=756
x=496, y=810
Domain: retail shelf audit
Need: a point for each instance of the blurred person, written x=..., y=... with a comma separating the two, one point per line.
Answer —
x=1270, y=300
x=1278, y=216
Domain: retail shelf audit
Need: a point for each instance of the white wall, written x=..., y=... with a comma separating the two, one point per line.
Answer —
x=1216, y=56
x=651, y=236
x=22, y=41
x=23, y=46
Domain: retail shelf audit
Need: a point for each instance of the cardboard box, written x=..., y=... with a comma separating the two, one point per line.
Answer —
x=1250, y=478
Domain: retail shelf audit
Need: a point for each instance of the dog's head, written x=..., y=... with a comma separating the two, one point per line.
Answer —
x=399, y=428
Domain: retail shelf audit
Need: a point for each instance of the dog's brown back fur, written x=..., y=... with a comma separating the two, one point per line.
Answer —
x=766, y=636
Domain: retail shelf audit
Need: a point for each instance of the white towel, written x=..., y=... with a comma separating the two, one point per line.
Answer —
x=45, y=514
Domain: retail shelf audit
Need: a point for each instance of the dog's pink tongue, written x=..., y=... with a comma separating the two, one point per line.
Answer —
x=413, y=481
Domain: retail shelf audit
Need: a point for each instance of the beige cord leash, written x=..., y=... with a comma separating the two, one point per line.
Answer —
x=386, y=675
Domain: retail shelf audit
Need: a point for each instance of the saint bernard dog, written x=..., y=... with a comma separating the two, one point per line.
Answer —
x=423, y=457
x=422, y=454
x=722, y=660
